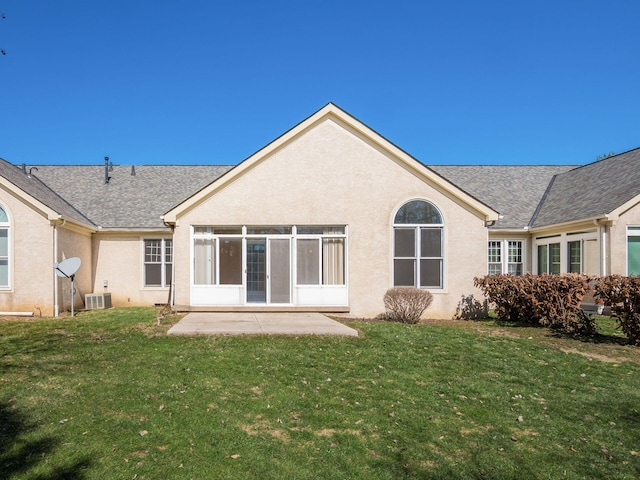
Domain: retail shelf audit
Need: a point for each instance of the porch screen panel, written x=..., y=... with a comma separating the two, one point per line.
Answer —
x=333, y=261
x=230, y=261
x=308, y=258
x=280, y=268
x=633, y=255
x=204, y=261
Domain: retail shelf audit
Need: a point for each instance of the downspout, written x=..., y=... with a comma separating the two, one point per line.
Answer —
x=604, y=250
x=56, y=307
x=171, y=298
x=603, y=247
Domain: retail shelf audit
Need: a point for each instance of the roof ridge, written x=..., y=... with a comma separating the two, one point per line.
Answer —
x=541, y=203
x=578, y=167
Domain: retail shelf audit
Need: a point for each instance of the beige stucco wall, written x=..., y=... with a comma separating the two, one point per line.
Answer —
x=31, y=254
x=329, y=175
x=618, y=245
x=118, y=259
x=74, y=243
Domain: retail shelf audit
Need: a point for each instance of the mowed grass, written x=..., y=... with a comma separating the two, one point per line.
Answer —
x=108, y=395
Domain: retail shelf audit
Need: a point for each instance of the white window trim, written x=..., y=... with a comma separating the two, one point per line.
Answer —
x=7, y=226
x=563, y=239
x=417, y=226
x=293, y=236
x=163, y=264
x=504, y=253
x=631, y=231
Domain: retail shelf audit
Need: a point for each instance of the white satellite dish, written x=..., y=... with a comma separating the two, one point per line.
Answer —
x=68, y=268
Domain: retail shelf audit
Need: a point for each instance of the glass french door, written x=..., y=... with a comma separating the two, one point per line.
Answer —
x=268, y=270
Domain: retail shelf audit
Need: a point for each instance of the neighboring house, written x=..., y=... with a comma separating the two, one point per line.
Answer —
x=327, y=217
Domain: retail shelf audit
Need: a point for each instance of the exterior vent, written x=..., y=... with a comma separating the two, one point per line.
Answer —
x=95, y=301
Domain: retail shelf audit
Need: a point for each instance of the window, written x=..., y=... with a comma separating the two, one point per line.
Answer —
x=217, y=255
x=417, y=248
x=320, y=255
x=4, y=249
x=514, y=260
x=511, y=262
x=575, y=256
x=633, y=250
x=495, y=258
x=549, y=258
x=158, y=262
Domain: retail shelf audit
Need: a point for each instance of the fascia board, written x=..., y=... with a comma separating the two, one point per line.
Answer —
x=75, y=226
x=49, y=213
x=615, y=214
x=581, y=223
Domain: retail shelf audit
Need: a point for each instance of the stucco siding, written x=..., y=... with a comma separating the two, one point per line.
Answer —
x=618, y=246
x=74, y=244
x=31, y=259
x=330, y=175
x=118, y=259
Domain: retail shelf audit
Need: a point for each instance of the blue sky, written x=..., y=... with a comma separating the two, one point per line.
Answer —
x=210, y=82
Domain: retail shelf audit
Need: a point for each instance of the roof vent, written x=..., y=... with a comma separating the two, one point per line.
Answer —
x=106, y=170
x=133, y=170
x=31, y=169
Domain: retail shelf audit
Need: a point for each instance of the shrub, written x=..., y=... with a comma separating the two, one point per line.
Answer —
x=549, y=300
x=511, y=297
x=561, y=296
x=622, y=294
x=406, y=304
x=470, y=308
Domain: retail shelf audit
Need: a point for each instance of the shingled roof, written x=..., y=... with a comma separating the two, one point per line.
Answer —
x=135, y=197
x=32, y=186
x=591, y=191
x=512, y=190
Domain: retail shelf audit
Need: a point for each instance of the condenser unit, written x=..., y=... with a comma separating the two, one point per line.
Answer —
x=95, y=301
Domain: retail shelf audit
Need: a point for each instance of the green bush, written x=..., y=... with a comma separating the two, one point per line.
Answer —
x=406, y=304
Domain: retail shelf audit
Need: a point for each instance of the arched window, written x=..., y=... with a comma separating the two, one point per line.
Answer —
x=4, y=249
x=418, y=259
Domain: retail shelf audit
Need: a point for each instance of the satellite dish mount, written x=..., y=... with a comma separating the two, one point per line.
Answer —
x=68, y=268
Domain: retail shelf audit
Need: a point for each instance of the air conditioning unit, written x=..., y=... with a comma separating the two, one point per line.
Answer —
x=95, y=301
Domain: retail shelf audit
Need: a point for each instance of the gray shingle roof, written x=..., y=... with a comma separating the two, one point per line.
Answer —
x=128, y=201
x=514, y=191
x=32, y=185
x=592, y=190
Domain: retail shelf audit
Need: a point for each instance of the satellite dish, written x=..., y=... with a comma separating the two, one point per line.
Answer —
x=68, y=268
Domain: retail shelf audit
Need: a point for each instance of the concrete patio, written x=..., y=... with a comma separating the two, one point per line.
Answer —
x=260, y=323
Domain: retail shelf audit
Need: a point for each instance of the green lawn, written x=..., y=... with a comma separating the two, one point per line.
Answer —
x=108, y=395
